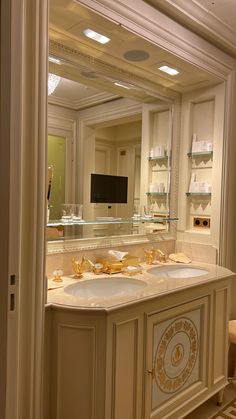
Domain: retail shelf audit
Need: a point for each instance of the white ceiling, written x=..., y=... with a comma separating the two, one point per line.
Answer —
x=214, y=20
x=91, y=64
x=74, y=95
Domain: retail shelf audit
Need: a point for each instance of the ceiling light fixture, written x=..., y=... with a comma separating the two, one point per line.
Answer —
x=123, y=85
x=54, y=60
x=169, y=70
x=53, y=81
x=102, y=39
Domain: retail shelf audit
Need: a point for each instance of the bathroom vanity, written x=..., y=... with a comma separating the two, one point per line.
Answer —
x=152, y=345
x=156, y=349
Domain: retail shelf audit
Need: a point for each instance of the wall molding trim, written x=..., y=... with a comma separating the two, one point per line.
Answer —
x=201, y=20
x=80, y=104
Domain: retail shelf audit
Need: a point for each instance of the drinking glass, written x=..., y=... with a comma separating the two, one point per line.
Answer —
x=77, y=212
x=66, y=212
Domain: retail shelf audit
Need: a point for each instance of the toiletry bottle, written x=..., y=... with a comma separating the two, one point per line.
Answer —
x=192, y=181
x=194, y=143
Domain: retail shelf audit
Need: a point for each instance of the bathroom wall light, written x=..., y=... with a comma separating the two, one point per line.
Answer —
x=169, y=70
x=102, y=39
x=53, y=81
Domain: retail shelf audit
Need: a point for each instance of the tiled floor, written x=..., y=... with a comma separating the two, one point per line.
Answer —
x=210, y=408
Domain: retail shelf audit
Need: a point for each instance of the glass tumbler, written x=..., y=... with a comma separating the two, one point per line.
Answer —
x=66, y=212
x=77, y=212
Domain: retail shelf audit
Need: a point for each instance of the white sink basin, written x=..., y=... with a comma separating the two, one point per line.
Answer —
x=105, y=287
x=177, y=271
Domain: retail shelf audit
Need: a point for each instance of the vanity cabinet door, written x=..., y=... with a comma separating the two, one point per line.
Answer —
x=77, y=365
x=176, y=357
x=124, y=359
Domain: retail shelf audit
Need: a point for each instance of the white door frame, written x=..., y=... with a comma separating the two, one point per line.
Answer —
x=22, y=210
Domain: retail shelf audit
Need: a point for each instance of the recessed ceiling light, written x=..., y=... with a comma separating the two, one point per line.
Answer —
x=54, y=60
x=169, y=70
x=102, y=39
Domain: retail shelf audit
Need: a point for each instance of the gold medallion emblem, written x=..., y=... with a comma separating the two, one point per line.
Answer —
x=176, y=355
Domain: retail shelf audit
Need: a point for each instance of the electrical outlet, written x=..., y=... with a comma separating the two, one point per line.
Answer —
x=201, y=222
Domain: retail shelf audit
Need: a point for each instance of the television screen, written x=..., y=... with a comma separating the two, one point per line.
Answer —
x=109, y=189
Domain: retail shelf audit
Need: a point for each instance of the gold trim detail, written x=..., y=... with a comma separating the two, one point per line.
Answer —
x=176, y=355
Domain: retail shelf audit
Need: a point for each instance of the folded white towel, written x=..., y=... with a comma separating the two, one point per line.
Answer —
x=117, y=255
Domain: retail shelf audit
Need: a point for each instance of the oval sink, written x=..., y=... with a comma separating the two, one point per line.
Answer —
x=105, y=287
x=177, y=271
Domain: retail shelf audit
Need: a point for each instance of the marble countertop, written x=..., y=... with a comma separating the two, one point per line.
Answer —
x=154, y=287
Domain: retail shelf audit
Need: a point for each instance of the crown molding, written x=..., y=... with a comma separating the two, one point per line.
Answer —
x=84, y=103
x=153, y=25
x=200, y=20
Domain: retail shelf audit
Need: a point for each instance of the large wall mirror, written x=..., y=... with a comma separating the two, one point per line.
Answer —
x=114, y=113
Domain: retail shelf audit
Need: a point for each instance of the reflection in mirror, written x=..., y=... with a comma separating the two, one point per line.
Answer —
x=116, y=150
x=117, y=153
x=119, y=108
x=56, y=160
x=136, y=147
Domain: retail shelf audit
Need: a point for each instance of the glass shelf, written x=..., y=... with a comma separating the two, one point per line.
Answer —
x=157, y=158
x=157, y=193
x=198, y=194
x=200, y=154
x=160, y=170
x=58, y=223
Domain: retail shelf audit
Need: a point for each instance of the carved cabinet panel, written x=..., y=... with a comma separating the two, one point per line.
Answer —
x=176, y=356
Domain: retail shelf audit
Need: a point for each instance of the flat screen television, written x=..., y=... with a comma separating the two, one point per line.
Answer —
x=109, y=189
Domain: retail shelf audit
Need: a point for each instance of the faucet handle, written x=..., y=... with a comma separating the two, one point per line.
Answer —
x=149, y=255
x=77, y=267
x=96, y=268
x=57, y=275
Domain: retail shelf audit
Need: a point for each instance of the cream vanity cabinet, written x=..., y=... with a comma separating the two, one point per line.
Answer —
x=158, y=358
x=185, y=350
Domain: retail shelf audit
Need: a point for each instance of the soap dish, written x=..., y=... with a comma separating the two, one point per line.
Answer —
x=132, y=270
